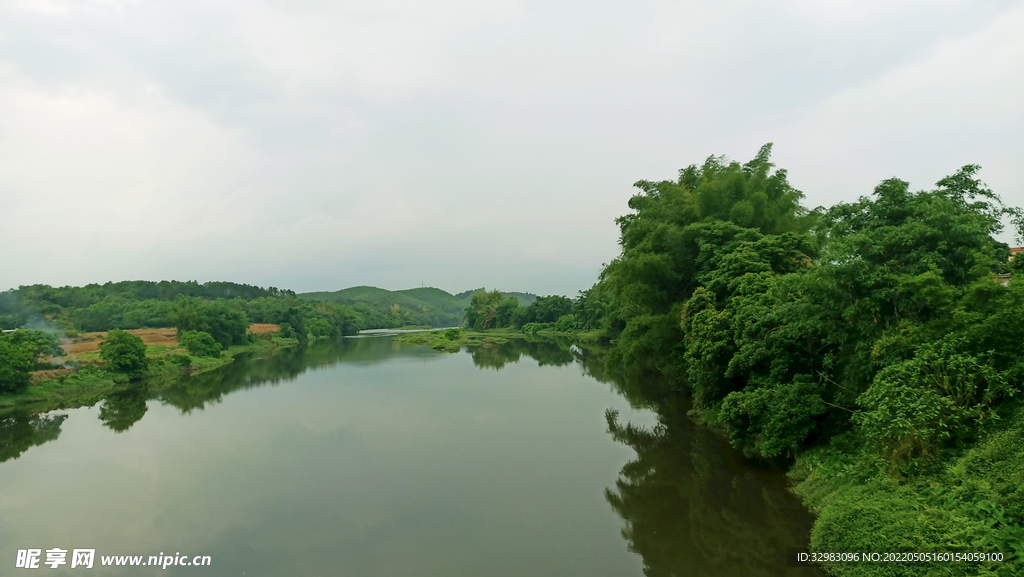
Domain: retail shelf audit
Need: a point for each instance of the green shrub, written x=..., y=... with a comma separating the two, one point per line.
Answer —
x=565, y=323
x=181, y=360
x=124, y=353
x=201, y=344
x=531, y=328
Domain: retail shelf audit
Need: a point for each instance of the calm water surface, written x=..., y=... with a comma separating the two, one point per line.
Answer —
x=362, y=457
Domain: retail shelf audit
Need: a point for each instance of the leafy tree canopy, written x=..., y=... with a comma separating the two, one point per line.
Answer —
x=124, y=353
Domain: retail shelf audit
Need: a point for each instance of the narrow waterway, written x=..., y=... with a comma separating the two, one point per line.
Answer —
x=363, y=457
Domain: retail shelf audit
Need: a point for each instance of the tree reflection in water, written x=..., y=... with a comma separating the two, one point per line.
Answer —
x=124, y=408
x=20, y=431
x=547, y=352
x=693, y=506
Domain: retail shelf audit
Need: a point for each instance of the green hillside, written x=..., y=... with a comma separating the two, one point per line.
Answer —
x=367, y=294
x=414, y=297
x=427, y=305
x=424, y=305
x=437, y=298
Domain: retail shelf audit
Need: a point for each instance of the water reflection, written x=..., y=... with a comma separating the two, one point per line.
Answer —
x=20, y=432
x=198, y=391
x=122, y=409
x=690, y=504
x=547, y=352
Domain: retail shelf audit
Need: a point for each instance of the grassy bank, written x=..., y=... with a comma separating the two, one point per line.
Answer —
x=90, y=383
x=451, y=340
x=968, y=500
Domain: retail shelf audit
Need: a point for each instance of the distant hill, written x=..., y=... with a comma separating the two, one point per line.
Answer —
x=434, y=298
x=380, y=297
x=440, y=308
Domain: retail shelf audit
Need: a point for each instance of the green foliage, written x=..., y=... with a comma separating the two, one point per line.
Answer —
x=773, y=422
x=533, y=328
x=301, y=319
x=42, y=343
x=200, y=344
x=16, y=362
x=974, y=502
x=124, y=305
x=681, y=237
x=180, y=360
x=124, y=353
x=421, y=306
x=490, y=310
x=544, y=310
x=565, y=323
x=593, y=308
x=452, y=334
x=873, y=335
x=20, y=353
x=225, y=321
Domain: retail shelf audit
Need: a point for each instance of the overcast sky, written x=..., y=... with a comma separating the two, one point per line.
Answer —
x=317, y=145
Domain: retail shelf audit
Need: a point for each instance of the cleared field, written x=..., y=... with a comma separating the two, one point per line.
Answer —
x=262, y=328
x=90, y=342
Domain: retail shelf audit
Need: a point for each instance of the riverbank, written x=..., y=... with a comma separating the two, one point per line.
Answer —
x=452, y=340
x=969, y=500
x=88, y=383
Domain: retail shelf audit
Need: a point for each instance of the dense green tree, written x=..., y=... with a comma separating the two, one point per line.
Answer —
x=16, y=363
x=200, y=344
x=41, y=343
x=224, y=320
x=676, y=240
x=20, y=353
x=490, y=310
x=543, y=310
x=784, y=322
x=124, y=353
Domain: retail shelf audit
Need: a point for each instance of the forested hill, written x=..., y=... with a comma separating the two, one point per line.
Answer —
x=29, y=304
x=148, y=304
x=431, y=305
x=420, y=297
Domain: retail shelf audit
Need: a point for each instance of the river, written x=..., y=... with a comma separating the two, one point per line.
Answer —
x=367, y=458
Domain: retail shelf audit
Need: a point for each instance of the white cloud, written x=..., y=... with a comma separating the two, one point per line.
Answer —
x=958, y=105
x=319, y=144
x=93, y=179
